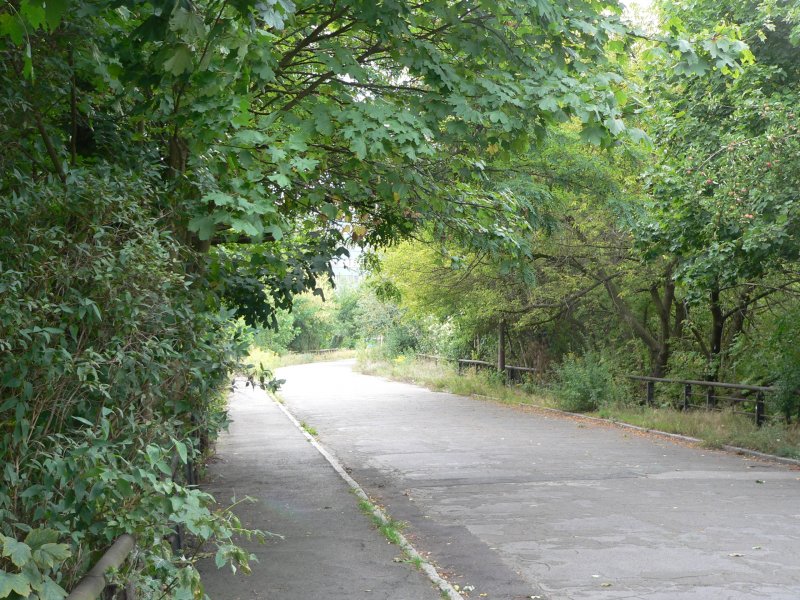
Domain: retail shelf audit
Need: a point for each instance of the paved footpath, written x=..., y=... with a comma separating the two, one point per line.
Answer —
x=521, y=504
x=329, y=549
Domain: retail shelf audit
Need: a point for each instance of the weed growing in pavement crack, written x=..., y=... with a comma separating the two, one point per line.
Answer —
x=308, y=429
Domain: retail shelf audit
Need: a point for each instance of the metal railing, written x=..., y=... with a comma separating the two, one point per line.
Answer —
x=752, y=397
x=94, y=583
x=513, y=373
x=435, y=357
x=711, y=398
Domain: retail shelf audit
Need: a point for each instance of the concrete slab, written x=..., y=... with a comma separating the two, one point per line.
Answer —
x=522, y=504
x=329, y=548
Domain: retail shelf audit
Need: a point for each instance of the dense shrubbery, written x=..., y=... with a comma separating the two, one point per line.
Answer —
x=111, y=373
x=585, y=382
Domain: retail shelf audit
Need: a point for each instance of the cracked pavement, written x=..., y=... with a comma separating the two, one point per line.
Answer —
x=524, y=504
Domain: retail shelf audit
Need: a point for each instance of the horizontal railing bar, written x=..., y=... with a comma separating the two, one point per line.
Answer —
x=475, y=362
x=713, y=384
x=436, y=357
x=94, y=582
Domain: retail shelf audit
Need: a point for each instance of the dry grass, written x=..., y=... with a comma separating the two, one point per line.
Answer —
x=271, y=361
x=444, y=377
x=715, y=428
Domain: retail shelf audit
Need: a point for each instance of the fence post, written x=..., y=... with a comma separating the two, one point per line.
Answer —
x=501, y=347
x=651, y=392
x=711, y=401
x=760, y=409
x=687, y=394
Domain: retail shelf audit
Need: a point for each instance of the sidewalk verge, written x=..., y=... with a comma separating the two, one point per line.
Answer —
x=440, y=582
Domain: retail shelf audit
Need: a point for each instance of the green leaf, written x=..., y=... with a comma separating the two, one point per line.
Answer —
x=182, y=452
x=281, y=179
x=11, y=25
x=244, y=226
x=50, y=555
x=637, y=135
x=50, y=590
x=27, y=62
x=180, y=61
x=615, y=126
x=18, y=552
x=322, y=119
x=39, y=537
x=220, y=558
x=329, y=210
x=204, y=226
x=220, y=199
x=33, y=11
x=189, y=23
x=153, y=453
x=593, y=134
x=54, y=11
x=304, y=164
x=549, y=103
x=358, y=146
x=277, y=232
x=16, y=582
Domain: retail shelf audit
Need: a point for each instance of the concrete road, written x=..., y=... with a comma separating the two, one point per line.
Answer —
x=521, y=504
x=328, y=550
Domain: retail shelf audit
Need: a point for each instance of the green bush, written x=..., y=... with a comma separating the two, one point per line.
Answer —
x=110, y=365
x=585, y=382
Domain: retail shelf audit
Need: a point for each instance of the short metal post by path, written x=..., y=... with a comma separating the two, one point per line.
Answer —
x=760, y=416
x=94, y=582
x=501, y=347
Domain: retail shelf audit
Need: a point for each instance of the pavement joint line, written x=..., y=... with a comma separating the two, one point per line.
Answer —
x=440, y=582
x=677, y=436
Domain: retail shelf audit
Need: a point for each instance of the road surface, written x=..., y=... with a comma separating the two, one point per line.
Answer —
x=521, y=504
x=327, y=549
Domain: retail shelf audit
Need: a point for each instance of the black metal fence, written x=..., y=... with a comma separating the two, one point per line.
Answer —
x=513, y=373
x=713, y=395
x=749, y=400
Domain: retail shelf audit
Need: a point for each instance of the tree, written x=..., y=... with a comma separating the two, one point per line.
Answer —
x=724, y=188
x=290, y=125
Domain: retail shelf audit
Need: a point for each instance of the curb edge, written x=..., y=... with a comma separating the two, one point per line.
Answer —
x=430, y=571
